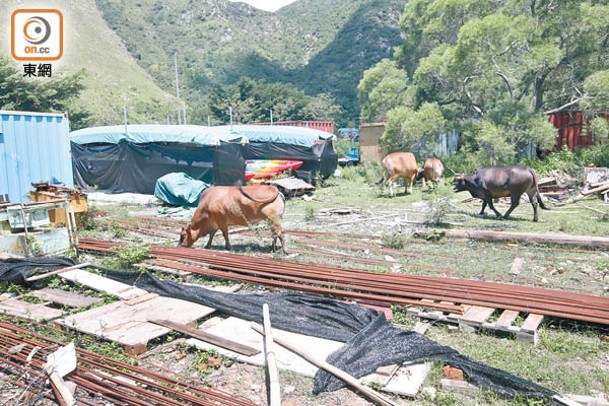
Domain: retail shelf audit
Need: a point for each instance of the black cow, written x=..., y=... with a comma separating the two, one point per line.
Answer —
x=494, y=182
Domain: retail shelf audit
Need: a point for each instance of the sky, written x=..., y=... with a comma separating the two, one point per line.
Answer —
x=268, y=5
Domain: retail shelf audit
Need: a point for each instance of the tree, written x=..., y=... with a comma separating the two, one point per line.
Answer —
x=495, y=68
x=382, y=88
x=416, y=131
x=57, y=95
x=252, y=101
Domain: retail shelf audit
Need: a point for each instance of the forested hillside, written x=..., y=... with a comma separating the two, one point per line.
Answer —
x=109, y=75
x=315, y=46
x=491, y=71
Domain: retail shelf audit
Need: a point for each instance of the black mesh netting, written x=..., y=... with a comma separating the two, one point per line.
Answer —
x=370, y=342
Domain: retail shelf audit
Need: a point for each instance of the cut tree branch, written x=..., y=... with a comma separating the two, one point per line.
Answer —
x=565, y=106
x=507, y=83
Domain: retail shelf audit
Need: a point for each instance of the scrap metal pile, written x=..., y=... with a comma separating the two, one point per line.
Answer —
x=393, y=288
x=98, y=378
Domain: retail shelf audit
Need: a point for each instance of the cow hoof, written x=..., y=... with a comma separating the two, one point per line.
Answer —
x=535, y=219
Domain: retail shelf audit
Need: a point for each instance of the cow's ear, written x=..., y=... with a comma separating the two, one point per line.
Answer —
x=188, y=227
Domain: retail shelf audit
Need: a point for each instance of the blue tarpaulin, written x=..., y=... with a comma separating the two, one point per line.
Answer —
x=149, y=133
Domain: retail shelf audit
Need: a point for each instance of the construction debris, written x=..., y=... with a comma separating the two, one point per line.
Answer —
x=442, y=293
x=350, y=380
x=99, y=377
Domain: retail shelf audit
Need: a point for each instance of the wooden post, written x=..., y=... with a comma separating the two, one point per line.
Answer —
x=350, y=380
x=46, y=275
x=271, y=362
x=601, y=188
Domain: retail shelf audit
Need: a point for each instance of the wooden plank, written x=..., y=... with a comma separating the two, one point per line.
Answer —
x=208, y=338
x=314, y=358
x=387, y=370
x=271, y=361
x=531, y=323
x=101, y=283
x=164, y=269
x=65, y=298
x=517, y=266
x=141, y=299
x=238, y=329
x=507, y=318
x=37, y=312
x=476, y=315
x=408, y=379
x=129, y=326
x=458, y=386
x=57, y=272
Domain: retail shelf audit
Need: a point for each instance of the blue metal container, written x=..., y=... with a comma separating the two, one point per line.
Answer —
x=34, y=147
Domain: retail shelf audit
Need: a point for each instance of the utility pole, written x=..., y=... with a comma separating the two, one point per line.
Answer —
x=175, y=64
x=125, y=113
x=271, y=116
x=230, y=111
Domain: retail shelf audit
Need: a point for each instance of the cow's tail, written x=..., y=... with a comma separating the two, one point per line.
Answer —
x=386, y=167
x=537, y=194
x=283, y=200
x=265, y=201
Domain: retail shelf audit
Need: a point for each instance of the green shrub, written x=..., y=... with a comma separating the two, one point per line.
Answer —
x=126, y=257
x=438, y=204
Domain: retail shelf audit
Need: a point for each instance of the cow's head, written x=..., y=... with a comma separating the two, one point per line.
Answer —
x=461, y=182
x=186, y=238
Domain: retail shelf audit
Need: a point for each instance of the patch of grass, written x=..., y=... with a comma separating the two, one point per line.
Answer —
x=350, y=173
x=125, y=257
x=310, y=213
x=402, y=318
x=395, y=240
x=438, y=205
x=584, y=345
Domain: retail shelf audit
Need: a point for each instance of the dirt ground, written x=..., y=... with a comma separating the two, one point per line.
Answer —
x=358, y=221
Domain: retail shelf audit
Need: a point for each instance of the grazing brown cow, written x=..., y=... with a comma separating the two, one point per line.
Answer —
x=494, y=182
x=432, y=172
x=223, y=206
x=400, y=165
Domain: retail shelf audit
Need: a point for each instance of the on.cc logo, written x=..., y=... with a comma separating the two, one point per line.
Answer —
x=37, y=34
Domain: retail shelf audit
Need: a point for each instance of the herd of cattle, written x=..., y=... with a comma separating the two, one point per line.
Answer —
x=223, y=206
x=486, y=184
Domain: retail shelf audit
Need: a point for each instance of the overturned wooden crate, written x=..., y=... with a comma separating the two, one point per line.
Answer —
x=496, y=320
x=77, y=203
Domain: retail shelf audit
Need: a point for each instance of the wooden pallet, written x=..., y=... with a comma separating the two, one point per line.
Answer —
x=17, y=307
x=126, y=322
x=476, y=317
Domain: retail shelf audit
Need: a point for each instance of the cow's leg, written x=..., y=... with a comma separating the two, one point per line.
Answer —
x=408, y=182
x=483, y=207
x=515, y=202
x=211, y=237
x=224, y=230
x=277, y=234
x=489, y=201
x=423, y=182
x=390, y=184
x=533, y=198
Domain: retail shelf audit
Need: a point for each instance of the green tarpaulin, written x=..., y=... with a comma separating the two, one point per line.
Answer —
x=179, y=189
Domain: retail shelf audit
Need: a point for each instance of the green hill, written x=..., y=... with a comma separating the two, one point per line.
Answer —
x=127, y=50
x=317, y=45
x=111, y=72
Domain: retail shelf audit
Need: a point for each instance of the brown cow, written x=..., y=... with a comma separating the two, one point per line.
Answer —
x=400, y=165
x=223, y=206
x=432, y=172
